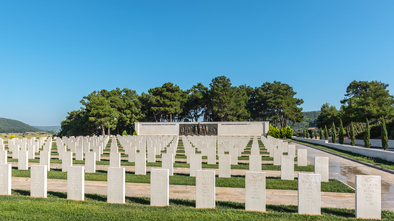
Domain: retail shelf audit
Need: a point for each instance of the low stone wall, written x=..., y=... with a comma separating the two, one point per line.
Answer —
x=381, y=154
x=374, y=142
x=246, y=128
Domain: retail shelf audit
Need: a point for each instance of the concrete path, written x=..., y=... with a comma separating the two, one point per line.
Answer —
x=346, y=171
x=274, y=197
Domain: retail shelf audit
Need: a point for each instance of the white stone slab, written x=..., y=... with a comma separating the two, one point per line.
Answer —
x=277, y=155
x=211, y=158
x=131, y=154
x=116, y=185
x=291, y=150
x=38, y=180
x=23, y=161
x=45, y=159
x=195, y=164
x=140, y=163
x=5, y=179
x=168, y=163
x=159, y=187
x=79, y=153
x=90, y=162
x=75, y=183
x=114, y=159
x=151, y=154
x=234, y=155
x=255, y=163
x=287, y=168
x=225, y=166
x=255, y=196
x=67, y=161
x=322, y=168
x=368, y=197
x=205, y=189
x=3, y=157
x=309, y=193
x=302, y=157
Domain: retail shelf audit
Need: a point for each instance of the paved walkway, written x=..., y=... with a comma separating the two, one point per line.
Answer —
x=346, y=170
x=274, y=197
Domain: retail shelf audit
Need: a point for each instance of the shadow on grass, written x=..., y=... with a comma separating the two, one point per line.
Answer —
x=139, y=200
x=338, y=212
x=58, y=194
x=180, y=202
x=282, y=208
x=95, y=197
x=21, y=192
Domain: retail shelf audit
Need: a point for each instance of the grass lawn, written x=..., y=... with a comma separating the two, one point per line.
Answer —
x=185, y=179
x=374, y=161
x=19, y=206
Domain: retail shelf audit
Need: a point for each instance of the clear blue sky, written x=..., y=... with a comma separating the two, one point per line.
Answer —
x=52, y=53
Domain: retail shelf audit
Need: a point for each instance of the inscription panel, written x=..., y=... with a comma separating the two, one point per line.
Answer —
x=198, y=129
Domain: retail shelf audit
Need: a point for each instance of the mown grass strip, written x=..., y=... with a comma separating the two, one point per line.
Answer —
x=19, y=206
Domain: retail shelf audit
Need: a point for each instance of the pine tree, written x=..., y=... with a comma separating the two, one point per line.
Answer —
x=341, y=132
x=303, y=131
x=352, y=135
x=325, y=133
x=321, y=134
x=333, y=133
x=383, y=136
x=367, y=135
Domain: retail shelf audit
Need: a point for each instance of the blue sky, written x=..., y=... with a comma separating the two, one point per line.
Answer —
x=52, y=53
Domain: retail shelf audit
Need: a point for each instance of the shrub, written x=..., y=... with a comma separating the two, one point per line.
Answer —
x=352, y=135
x=286, y=132
x=124, y=133
x=341, y=132
x=321, y=134
x=12, y=136
x=367, y=135
x=333, y=133
x=135, y=133
x=325, y=133
x=383, y=136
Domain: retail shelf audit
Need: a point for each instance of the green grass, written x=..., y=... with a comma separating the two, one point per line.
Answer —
x=185, y=179
x=19, y=206
x=374, y=161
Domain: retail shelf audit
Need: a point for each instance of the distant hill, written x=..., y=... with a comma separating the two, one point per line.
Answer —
x=49, y=128
x=14, y=126
x=310, y=120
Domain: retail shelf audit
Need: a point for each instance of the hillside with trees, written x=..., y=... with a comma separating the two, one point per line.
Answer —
x=14, y=126
x=115, y=111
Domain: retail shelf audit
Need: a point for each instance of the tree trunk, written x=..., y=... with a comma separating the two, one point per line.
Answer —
x=155, y=116
x=117, y=129
x=102, y=130
x=109, y=131
x=170, y=117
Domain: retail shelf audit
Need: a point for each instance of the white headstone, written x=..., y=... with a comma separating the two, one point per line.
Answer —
x=159, y=187
x=79, y=153
x=205, y=189
x=5, y=179
x=67, y=161
x=131, y=154
x=45, y=159
x=23, y=161
x=277, y=155
x=90, y=162
x=302, y=157
x=224, y=166
x=211, y=155
x=168, y=163
x=114, y=159
x=255, y=163
x=38, y=181
x=140, y=163
x=322, y=168
x=75, y=183
x=234, y=155
x=368, y=197
x=116, y=185
x=291, y=150
x=287, y=168
x=195, y=164
x=309, y=194
x=255, y=197
x=3, y=157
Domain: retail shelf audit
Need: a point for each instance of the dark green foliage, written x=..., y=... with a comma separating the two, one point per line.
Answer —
x=384, y=137
x=14, y=126
x=333, y=133
x=352, y=135
x=367, y=135
x=321, y=134
x=310, y=134
x=315, y=134
x=328, y=115
x=370, y=100
x=325, y=133
x=276, y=102
x=286, y=132
x=341, y=132
x=303, y=133
x=310, y=119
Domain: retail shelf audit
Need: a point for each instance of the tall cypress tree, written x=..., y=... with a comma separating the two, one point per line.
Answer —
x=321, y=134
x=384, y=137
x=325, y=133
x=304, y=134
x=367, y=135
x=352, y=135
x=333, y=133
x=341, y=132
